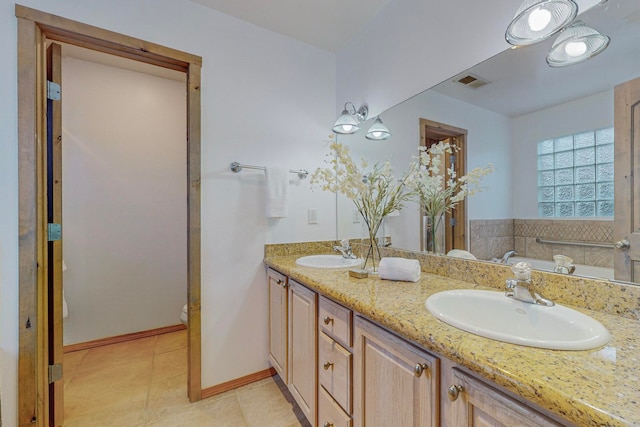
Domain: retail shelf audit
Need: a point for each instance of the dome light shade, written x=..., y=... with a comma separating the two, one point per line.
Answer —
x=378, y=131
x=346, y=124
x=349, y=120
x=537, y=20
x=576, y=44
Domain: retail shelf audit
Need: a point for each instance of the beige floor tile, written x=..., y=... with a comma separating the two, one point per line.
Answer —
x=170, y=342
x=70, y=362
x=266, y=406
x=167, y=397
x=83, y=398
x=130, y=414
x=223, y=412
x=169, y=364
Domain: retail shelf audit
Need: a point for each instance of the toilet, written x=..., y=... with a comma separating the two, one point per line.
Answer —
x=184, y=318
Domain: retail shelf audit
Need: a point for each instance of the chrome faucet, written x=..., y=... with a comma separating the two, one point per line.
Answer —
x=522, y=288
x=345, y=249
x=508, y=255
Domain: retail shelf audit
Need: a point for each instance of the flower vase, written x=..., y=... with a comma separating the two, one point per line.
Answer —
x=372, y=254
x=435, y=238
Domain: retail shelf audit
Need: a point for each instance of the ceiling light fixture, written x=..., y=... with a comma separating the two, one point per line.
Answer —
x=349, y=120
x=378, y=131
x=575, y=44
x=536, y=20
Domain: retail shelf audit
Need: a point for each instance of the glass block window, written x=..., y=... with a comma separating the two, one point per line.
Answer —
x=575, y=175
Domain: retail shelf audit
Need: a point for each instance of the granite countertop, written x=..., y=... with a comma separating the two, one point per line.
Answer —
x=598, y=387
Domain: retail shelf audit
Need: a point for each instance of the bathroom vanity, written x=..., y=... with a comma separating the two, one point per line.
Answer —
x=366, y=352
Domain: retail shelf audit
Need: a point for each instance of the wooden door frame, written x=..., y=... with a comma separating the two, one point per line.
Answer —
x=460, y=214
x=34, y=29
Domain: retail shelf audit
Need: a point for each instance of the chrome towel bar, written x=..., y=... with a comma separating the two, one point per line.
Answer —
x=237, y=167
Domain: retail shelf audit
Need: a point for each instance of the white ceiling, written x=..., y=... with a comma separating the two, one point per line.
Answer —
x=327, y=24
x=521, y=82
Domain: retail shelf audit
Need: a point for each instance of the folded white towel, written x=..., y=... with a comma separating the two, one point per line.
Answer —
x=459, y=253
x=277, y=192
x=407, y=270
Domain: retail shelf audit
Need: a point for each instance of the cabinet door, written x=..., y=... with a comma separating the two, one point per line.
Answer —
x=477, y=404
x=303, y=325
x=395, y=383
x=278, y=338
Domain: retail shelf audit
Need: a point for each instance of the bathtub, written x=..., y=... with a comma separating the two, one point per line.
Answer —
x=581, y=270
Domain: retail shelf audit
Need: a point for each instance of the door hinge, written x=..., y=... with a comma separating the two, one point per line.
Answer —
x=453, y=222
x=54, y=232
x=55, y=373
x=53, y=91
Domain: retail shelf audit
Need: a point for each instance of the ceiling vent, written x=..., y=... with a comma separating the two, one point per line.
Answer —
x=471, y=81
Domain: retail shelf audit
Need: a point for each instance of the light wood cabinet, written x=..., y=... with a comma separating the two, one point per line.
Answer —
x=335, y=362
x=278, y=326
x=477, y=404
x=395, y=383
x=303, y=324
x=344, y=370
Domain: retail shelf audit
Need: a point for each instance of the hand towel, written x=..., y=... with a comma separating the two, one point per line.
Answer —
x=65, y=306
x=407, y=270
x=277, y=192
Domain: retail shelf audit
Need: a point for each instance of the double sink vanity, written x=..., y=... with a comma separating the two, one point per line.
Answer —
x=369, y=352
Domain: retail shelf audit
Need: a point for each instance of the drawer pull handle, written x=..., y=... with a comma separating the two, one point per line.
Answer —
x=327, y=365
x=454, y=391
x=419, y=369
x=328, y=320
x=327, y=424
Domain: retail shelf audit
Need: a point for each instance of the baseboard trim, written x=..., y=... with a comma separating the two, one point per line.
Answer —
x=238, y=382
x=122, y=338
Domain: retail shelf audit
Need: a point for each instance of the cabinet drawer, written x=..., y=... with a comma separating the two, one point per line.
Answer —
x=335, y=320
x=329, y=413
x=334, y=370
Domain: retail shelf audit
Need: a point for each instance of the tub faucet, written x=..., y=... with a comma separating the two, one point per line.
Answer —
x=345, y=249
x=508, y=255
x=522, y=288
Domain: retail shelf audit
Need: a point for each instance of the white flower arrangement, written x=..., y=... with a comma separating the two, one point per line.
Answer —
x=429, y=187
x=374, y=192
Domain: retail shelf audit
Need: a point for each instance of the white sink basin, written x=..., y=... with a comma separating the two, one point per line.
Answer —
x=328, y=261
x=493, y=315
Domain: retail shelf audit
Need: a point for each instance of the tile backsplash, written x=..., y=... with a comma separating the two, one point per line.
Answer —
x=492, y=238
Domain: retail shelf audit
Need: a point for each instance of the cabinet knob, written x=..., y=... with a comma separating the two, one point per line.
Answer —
x=328, y=320
x=454, y=392
x=327, y=365
x=419, y=369
x=279, y=282
x=327, y=424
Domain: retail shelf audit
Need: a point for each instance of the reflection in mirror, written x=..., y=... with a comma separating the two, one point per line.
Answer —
x=523, y=103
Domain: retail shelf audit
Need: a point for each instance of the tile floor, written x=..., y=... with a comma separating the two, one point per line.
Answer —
x=144, y=383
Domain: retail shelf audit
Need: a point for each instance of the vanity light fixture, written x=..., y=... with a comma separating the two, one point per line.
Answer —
x=349, y=120
x=575, y=44
x=536, y=20
x=378, y=131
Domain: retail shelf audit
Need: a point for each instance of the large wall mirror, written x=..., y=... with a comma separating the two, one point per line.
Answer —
x=523, y=103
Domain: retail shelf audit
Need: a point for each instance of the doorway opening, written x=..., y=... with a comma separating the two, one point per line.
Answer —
x=40, y=399
x=454, y=229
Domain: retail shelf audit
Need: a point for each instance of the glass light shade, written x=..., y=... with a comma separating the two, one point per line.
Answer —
x=537, y=20
x=346, y=124
x=378, y=131
x=576, y=44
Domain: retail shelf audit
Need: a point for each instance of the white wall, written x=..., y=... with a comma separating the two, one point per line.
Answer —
x=124, y=200
x=266, y=99
x=489, y=141
x=589, y=113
